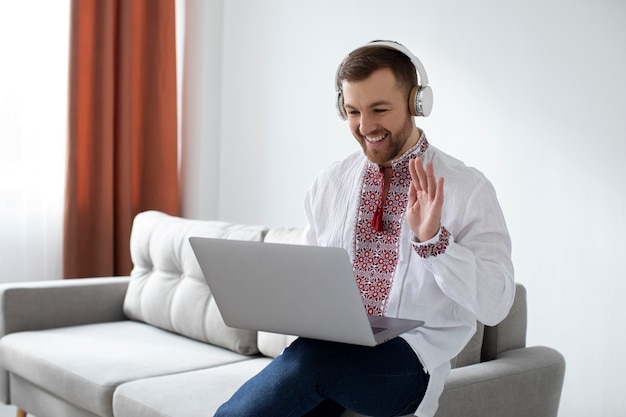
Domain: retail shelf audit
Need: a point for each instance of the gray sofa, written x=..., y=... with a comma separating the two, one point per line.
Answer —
x=154, y=345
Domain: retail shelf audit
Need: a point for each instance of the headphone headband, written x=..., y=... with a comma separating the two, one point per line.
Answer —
x=421, y=98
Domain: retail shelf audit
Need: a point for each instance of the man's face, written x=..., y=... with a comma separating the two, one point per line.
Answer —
x=379, y=117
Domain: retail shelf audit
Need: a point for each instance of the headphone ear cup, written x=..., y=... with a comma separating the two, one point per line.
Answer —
x=341, y=111
x=421, y=101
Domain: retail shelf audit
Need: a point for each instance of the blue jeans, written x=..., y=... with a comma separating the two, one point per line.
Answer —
x=318, y=378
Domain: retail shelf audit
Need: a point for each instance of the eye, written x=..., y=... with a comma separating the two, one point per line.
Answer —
x=353, y=113
x=380, y=110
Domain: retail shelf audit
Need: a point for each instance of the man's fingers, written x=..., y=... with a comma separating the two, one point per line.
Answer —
x=430, y=180
x=413, y=171
x=412, y=195
x=424, y=179
x=418, y=175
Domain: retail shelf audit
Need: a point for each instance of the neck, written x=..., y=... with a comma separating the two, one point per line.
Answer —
x=415, y=136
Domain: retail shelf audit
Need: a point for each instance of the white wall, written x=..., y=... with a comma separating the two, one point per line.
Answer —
x=530, y=92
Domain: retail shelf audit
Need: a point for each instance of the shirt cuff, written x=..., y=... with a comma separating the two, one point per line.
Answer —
x=435, y=246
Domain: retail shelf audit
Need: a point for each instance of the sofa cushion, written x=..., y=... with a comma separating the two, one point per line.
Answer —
x=84, y=364
x=167, y=288
x=188, y=394
x=288, y=235
x=273, y=344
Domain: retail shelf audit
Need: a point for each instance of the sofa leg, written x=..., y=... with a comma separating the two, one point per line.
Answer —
x=20, y=413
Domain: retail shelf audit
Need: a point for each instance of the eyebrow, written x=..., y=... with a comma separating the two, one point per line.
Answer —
x=374, y=104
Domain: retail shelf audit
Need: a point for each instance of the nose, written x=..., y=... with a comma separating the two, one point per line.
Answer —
x=366, y=124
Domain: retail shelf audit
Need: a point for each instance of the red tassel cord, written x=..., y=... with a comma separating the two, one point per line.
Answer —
x=377, y=219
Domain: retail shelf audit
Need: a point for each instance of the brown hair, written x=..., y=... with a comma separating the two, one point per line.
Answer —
x=362, y=62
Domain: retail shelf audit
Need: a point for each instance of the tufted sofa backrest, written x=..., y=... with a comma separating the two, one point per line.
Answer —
x=167, y=288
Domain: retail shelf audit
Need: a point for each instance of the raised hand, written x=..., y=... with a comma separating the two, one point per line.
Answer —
x=425, y=200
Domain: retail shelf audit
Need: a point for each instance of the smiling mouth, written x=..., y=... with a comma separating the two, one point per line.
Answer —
x=374, y=139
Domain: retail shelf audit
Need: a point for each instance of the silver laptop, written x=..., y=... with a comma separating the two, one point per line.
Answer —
x=299, y=290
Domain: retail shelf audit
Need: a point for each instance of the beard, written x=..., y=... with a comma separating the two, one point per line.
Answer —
x=397, y=144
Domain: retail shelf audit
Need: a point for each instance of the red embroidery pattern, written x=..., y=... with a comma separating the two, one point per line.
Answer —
x=376, y=252
x=437, y=248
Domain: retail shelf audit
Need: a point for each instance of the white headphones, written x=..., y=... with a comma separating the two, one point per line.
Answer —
x=421, y=95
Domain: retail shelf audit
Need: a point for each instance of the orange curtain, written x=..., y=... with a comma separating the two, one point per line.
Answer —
x=122, y=156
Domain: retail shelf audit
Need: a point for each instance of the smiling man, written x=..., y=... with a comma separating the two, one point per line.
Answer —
x=419, y=250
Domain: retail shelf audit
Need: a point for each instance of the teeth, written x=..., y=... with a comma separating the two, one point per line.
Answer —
x=375, y=138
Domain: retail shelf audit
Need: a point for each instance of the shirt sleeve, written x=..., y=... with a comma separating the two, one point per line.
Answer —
x=471, y=259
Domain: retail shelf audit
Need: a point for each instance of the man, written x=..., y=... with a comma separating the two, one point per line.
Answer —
x=420, y=250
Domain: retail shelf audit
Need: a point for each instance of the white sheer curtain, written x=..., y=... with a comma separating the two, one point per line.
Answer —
x=34, y=41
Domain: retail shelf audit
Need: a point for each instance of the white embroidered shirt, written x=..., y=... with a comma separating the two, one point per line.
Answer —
x=462, y=275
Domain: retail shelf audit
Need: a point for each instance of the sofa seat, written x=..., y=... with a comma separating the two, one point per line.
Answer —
x=85, y=364
x=492, y=385
x=188, y=394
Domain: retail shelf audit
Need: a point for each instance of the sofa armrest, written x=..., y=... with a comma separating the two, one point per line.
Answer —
x=59, y=303
x=519, y=383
